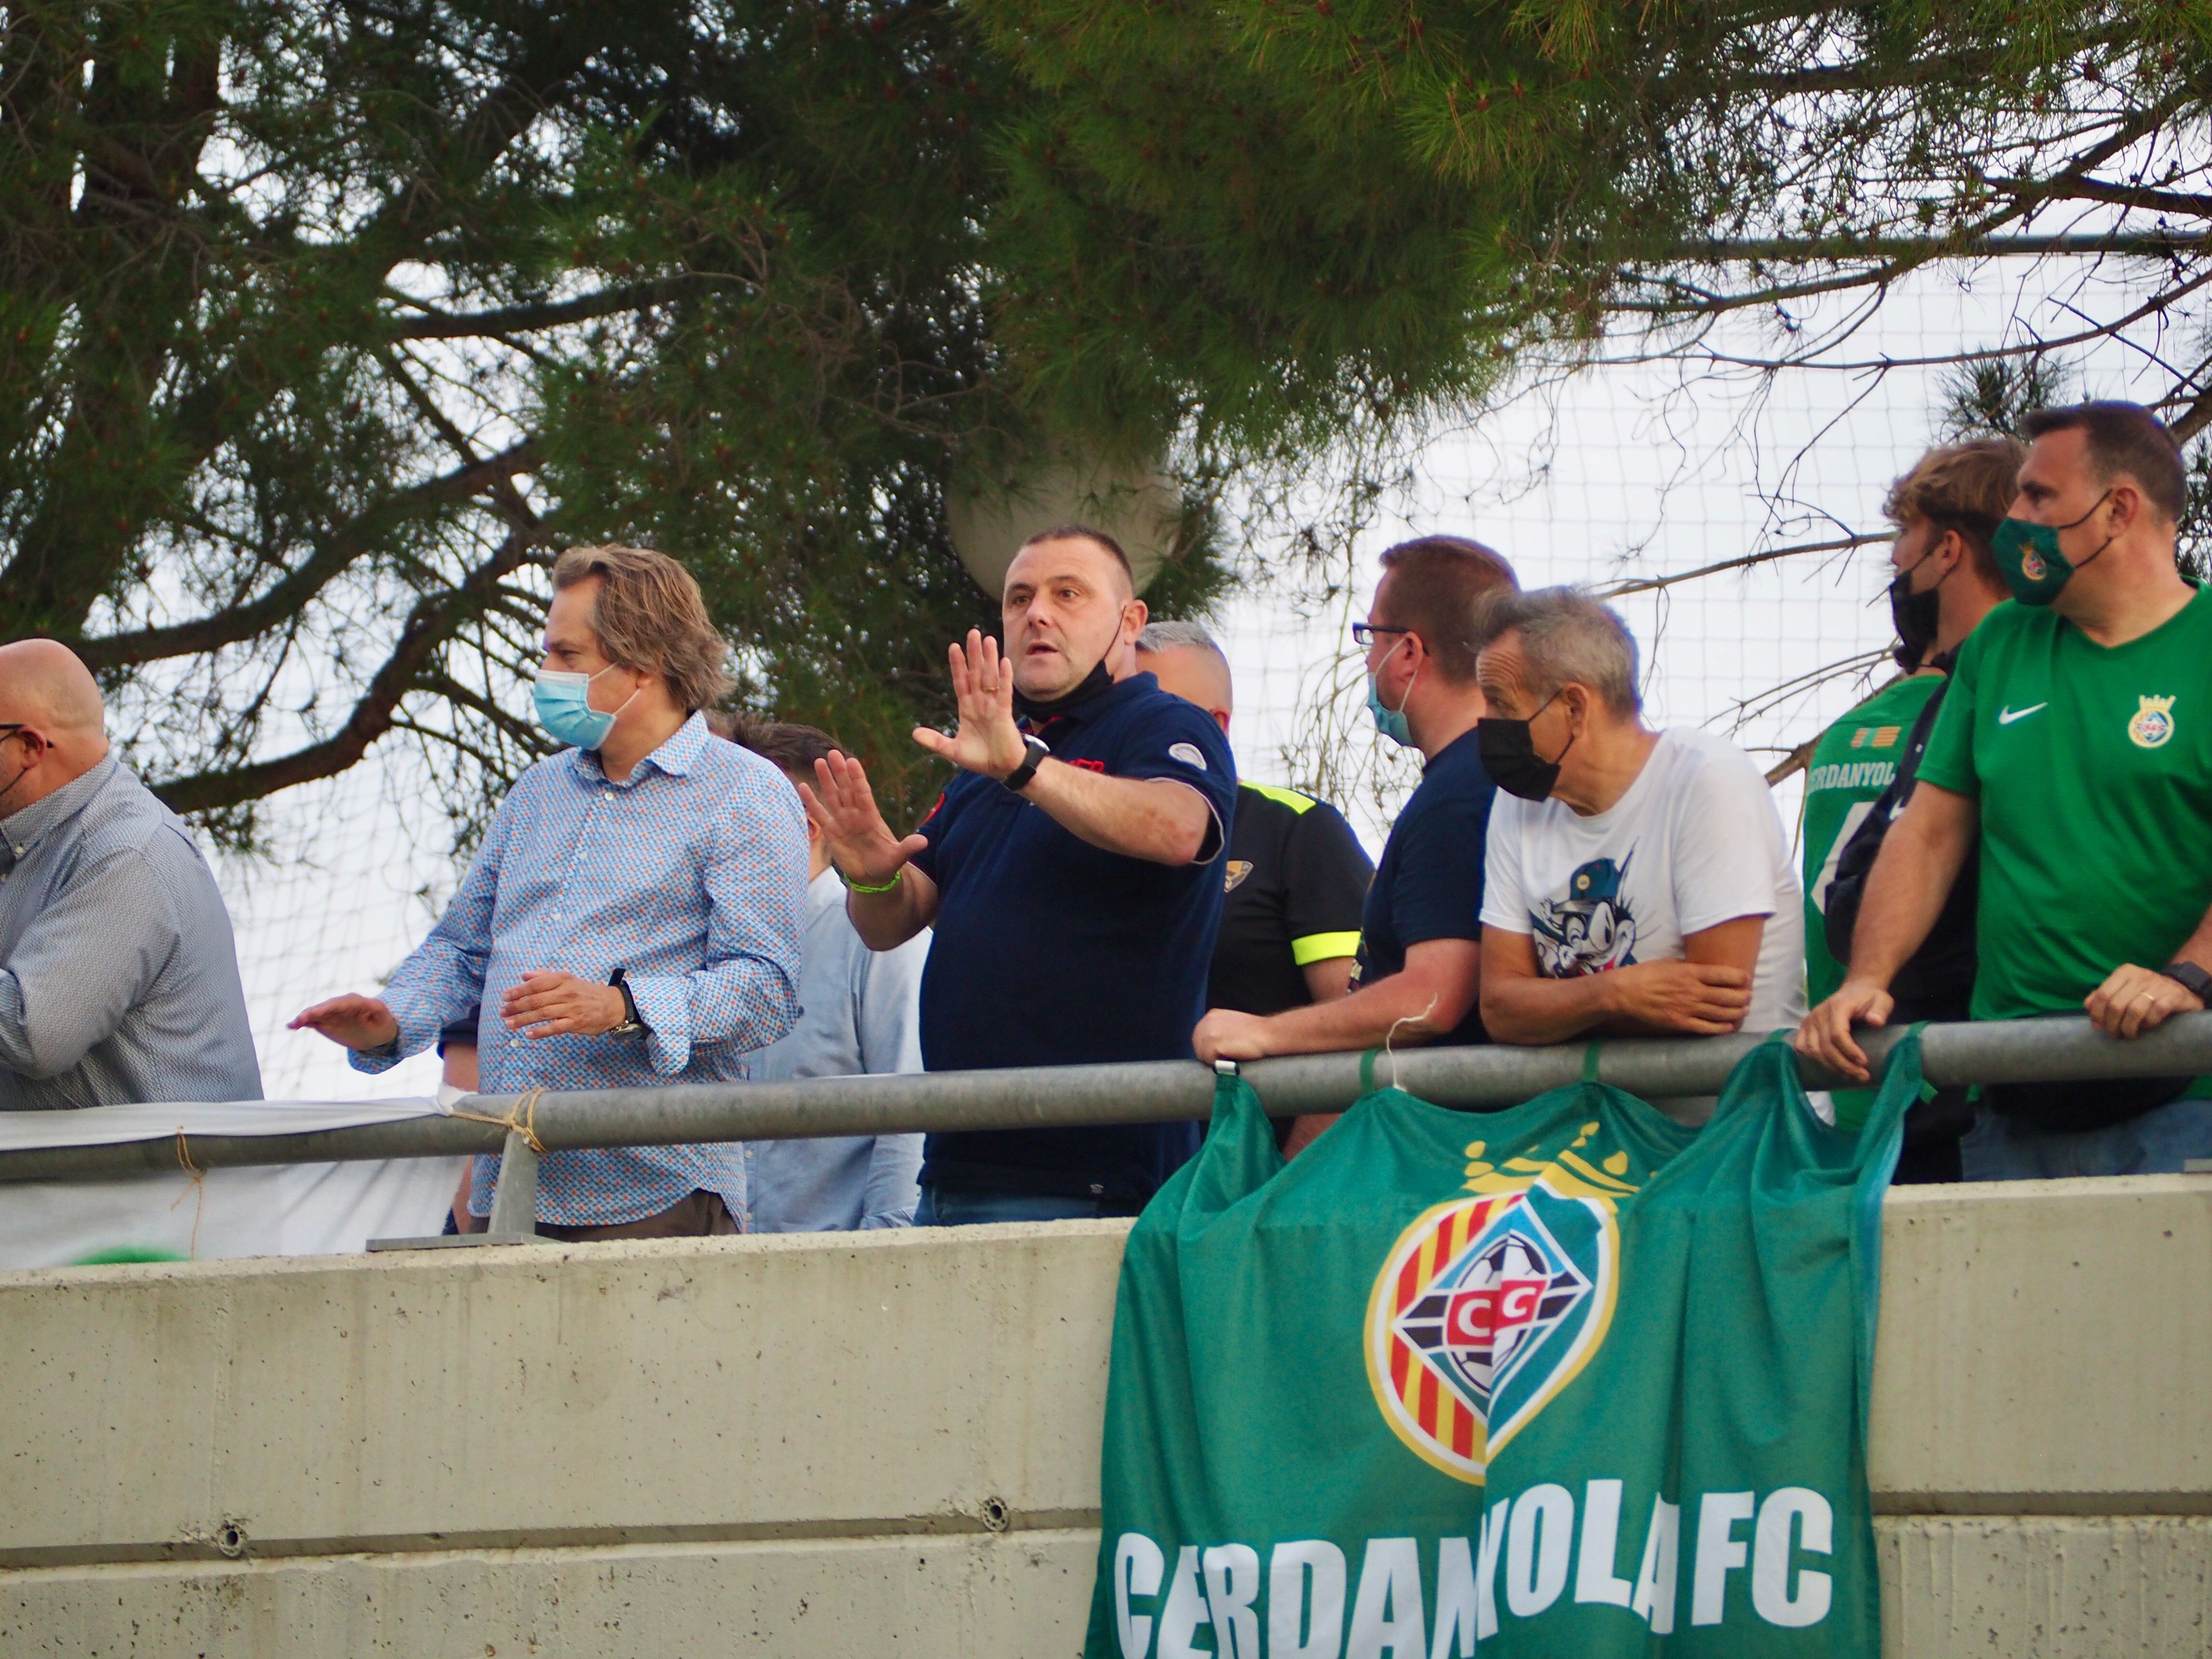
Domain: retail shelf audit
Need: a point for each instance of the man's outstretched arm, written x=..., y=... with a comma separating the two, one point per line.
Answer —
x=1428, y=997
x=1157, y=819
x=1920, y=858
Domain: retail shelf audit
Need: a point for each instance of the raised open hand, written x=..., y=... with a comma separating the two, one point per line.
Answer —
x=987, y=740
x=860, y=844
x=356, y=1022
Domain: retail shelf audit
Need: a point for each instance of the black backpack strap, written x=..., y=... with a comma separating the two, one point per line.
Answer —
x=1840, y=916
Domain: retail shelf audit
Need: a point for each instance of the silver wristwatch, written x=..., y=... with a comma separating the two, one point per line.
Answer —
x=631, y=1025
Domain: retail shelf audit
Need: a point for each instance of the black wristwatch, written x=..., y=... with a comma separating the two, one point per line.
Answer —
x=631, y=1025
x=2191, y=978
x=1018, y=779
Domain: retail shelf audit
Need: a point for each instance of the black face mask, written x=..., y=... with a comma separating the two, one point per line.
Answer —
x=1094, y=683
x=1915, y=617
x=1509, y=754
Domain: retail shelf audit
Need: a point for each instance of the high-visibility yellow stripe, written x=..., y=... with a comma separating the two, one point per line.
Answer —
x=1290, y=798
x=1323, y=947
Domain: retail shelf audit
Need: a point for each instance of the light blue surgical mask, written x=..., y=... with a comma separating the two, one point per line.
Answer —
x=564, y=708
x=1392, y=722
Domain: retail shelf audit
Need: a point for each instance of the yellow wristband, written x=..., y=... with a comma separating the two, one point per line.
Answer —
x=858, y=887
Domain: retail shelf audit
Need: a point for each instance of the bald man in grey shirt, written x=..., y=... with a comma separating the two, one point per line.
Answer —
x=118, y=976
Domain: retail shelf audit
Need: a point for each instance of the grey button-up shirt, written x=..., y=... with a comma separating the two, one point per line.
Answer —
x=863, y=1013
x=118, y=975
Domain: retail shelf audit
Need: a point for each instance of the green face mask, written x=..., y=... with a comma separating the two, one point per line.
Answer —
x=2028, y=555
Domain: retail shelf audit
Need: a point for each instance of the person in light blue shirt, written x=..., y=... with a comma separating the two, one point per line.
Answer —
x=863, y=1014
x=633, y=918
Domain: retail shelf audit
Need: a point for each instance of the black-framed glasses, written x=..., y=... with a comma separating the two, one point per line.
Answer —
x=1363, y=634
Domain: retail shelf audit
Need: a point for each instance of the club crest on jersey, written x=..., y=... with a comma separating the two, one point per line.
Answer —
x=1234, y=872
x=2153, y=723
x=1487, y=1306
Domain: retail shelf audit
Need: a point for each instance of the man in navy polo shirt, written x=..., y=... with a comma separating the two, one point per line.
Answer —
x=1419, y=963
x=1069, y=873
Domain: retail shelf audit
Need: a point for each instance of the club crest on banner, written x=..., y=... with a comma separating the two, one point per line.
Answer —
x=1487, y=1306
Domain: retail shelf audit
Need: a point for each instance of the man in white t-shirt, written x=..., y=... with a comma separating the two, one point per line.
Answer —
x=1637, y=881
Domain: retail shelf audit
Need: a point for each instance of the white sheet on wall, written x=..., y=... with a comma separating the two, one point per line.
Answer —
x=283, y=1209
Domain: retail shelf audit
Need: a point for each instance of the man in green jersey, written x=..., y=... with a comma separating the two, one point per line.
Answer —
x=1945, y=580
x=2076, y=738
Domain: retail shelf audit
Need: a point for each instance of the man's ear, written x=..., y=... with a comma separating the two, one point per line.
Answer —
x=2126, y=505
x=1578, y=700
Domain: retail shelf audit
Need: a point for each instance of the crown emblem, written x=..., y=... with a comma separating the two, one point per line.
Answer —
x=2152, y=724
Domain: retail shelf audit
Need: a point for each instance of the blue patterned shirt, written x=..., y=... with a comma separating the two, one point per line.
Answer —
x=692, y=877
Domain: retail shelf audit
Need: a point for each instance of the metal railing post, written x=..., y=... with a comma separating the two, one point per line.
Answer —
x=514, y=1200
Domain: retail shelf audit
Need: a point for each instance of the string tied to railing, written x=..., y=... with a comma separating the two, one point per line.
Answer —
x=198, y=1189
x=520, y=1120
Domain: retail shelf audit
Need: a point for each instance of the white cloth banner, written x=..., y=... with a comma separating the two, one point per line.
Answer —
x=283, y=1209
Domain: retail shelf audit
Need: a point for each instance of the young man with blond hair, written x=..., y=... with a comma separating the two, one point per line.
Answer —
x=1944, y=579
x=633, y=918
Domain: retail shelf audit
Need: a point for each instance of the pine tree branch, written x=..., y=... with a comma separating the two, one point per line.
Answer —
x=436, y=324
x=520, y=732
x=2192, y=420
x=1794, y=762
x=429, y=625
x=2162, y=301
x=1782, y=250
x=1965, y=241
x=1656, y=584
x=210, y=415
x=2104, y=190
x=349, y=542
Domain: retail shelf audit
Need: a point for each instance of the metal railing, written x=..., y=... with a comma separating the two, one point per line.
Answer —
x=2014, y=1051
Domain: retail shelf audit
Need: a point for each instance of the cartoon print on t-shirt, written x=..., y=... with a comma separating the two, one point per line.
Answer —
x=1590, y=931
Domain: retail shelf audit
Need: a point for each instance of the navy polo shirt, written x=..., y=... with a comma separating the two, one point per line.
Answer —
x=1429, y=884
x=1050, y=952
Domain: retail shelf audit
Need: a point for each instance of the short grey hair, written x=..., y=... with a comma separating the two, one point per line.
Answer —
x=1176, y=637
x=1566, y=636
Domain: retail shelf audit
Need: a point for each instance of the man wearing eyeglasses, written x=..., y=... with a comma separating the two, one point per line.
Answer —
x=118, y=976
x=1418, y=966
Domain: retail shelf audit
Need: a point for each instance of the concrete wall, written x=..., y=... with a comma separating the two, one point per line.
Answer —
x=888, y=1442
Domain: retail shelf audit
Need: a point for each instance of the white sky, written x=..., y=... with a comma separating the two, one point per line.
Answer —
x=1623, y=472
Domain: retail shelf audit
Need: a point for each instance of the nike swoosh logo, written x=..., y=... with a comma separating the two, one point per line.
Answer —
x=2007, y=716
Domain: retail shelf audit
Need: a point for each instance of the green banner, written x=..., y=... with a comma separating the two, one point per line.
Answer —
x=1566, y=1379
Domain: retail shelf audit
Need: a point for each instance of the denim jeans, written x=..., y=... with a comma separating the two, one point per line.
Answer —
x=942, y=1209
x=2157, y=1143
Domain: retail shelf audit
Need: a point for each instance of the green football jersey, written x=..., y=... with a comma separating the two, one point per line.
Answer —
x=1854, y=762
x=2093, y=768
